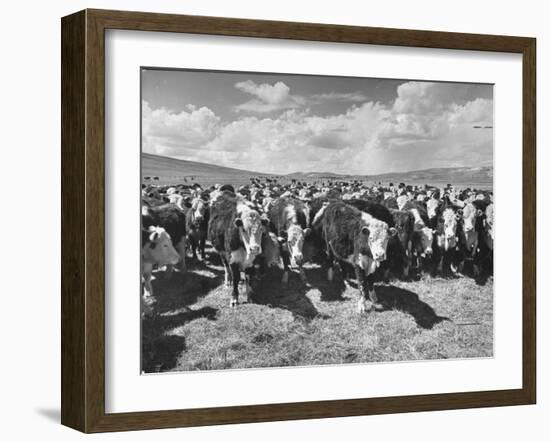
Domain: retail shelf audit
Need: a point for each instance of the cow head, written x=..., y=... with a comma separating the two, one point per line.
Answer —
x=295, y=242
x=447, y=229
x=431, y=207
x=469, y=217
x=158, y=248
x=425, y=243
x=251, y=229
x=378, y=237
x=198, y=211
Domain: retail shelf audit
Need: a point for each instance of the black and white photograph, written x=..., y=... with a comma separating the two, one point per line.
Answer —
x=305, y=220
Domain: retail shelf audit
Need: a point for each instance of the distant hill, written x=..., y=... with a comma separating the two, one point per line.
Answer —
x=171, y=170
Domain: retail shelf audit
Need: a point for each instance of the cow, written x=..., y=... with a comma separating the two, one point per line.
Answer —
x=400, y=245
x=289, y=221
x=171, y=218
x=356, y=238
x=432, y=206
x=236, y=232
x=446, y=242
x=197, y=226
x=156, y=249
x=423, y=234
x=468, y=236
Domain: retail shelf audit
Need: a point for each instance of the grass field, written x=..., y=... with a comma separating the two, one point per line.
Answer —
x=312, y=325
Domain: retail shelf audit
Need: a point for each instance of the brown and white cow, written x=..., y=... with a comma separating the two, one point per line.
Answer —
x=156, y=249
x=288, y=220
x=236, y=232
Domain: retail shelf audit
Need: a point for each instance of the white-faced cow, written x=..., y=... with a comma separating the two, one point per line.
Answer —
x=289, y=221
x=156, y=249
x=446, y=238
x=197, y=226
x=236, y=232
x=357, y=238
x=172, y=219
x=423, y=234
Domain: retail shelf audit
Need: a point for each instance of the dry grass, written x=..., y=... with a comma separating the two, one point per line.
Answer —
x=432, y=318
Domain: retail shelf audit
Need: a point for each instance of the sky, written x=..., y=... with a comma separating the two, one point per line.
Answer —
x=284, y=123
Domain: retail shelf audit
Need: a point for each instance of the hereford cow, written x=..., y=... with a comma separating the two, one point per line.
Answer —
x=357, y=238
x=468, y=236
x=289, y=221
x=172, y=219
x=156, y=249
x=423, y=234
x=197, y=226
x=236, y=232
x=446, y=241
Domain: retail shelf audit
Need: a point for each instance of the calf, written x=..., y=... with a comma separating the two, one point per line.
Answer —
x=197, y=226
x=357, y=238
x=156, y=249
x=289, y=220
x=172, y=219
x=236, y=232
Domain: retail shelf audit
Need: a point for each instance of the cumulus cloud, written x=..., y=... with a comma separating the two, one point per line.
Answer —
x=427, y=125
x=165, y=131
x=268, y=98
x=341, y=97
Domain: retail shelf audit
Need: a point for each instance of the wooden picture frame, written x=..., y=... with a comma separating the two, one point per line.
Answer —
x=83, y=220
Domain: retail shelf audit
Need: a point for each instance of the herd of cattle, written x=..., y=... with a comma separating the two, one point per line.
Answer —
x=373, y=232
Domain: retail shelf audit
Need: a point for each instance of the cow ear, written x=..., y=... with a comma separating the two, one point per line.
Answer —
x=479, y=212
x=365, y=230
x=459, y=212
x=238, y=222
x=307, y=231
x=393, y=231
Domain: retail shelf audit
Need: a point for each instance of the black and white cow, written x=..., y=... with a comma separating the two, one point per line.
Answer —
x=357, y=238
x=289, y=221
x=236, y=232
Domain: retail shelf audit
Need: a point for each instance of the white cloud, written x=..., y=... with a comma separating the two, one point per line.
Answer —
x=428, y=125
x=269, y=97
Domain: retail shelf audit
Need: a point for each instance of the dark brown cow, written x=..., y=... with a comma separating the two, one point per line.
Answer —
x=357, y=238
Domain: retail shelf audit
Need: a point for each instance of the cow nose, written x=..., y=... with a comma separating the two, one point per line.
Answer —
x=380, y=256
x=298, y=258
x=429, y=251
x=255, y=249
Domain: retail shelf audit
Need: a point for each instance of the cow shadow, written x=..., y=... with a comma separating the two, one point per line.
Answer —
x=269, y=291
x=396, y=298
x=160, y=351
x=331, y=291
x=179, y=290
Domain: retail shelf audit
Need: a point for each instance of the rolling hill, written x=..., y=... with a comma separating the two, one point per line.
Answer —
x=171, y=170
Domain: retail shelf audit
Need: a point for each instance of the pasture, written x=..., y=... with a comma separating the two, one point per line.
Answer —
x=313, y=324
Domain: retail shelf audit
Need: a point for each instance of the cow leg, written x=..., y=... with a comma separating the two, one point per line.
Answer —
x=247, y=280
x=236, y=275
x=372, y=293
x=302, y=274
x=286, y=265
x=181, y=247
x=226, y=271
x=202, y=245
x=363, y=306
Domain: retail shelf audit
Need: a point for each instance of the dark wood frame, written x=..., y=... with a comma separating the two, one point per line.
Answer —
x=83, y=217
